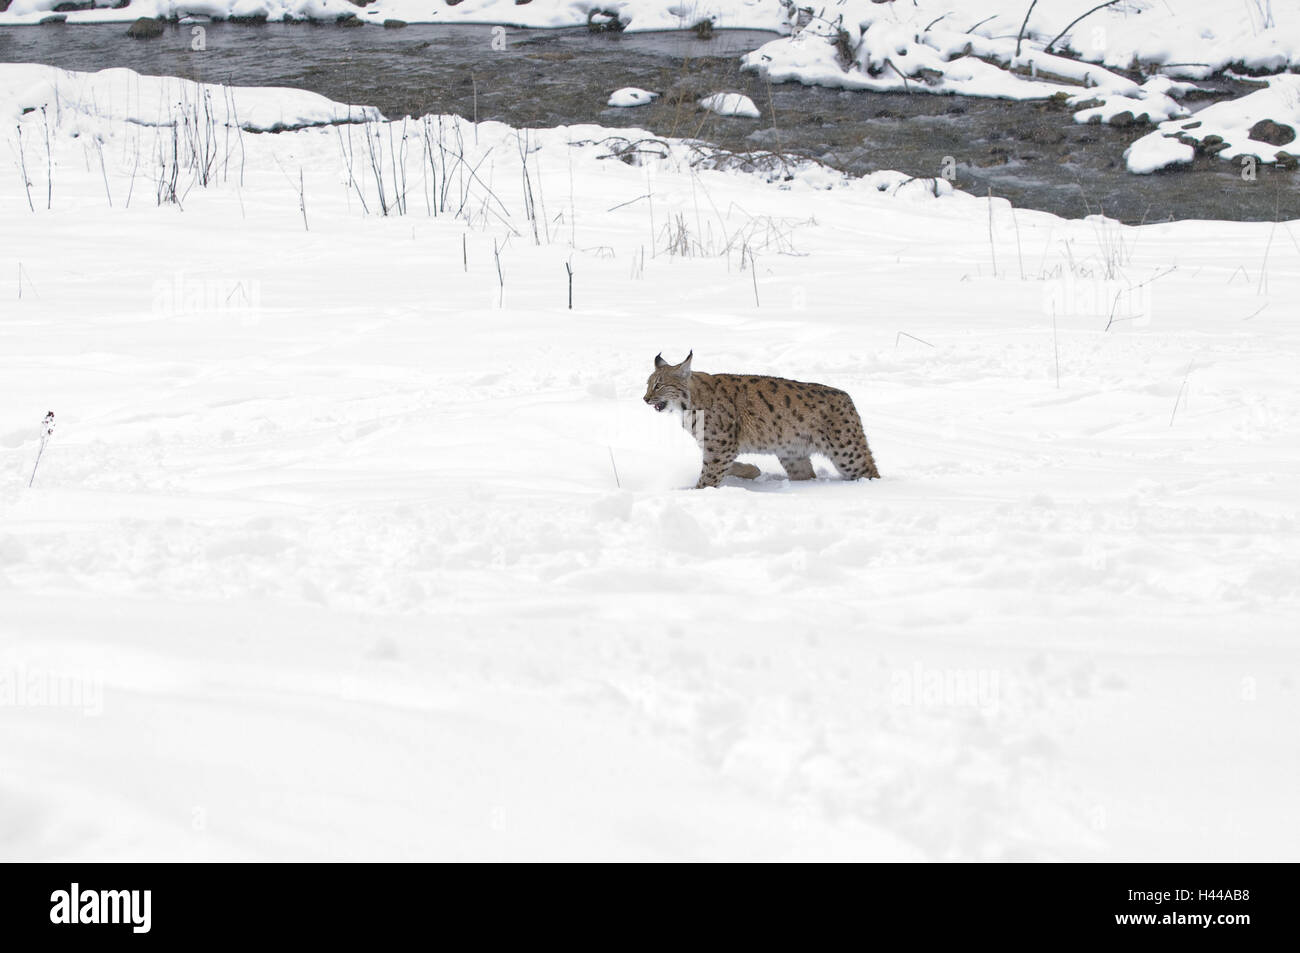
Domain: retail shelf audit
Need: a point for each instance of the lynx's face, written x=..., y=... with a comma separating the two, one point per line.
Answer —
x=668, y=386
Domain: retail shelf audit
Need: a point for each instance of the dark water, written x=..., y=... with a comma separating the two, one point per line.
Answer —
x=1030, y=153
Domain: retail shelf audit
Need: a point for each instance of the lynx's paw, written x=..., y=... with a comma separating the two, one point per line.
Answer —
x=746, y=471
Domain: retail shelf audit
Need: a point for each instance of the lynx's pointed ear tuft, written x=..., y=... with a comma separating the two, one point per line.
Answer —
x=684, y=368
x=659, y=360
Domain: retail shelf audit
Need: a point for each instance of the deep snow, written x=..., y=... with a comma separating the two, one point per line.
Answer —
x=341, y=549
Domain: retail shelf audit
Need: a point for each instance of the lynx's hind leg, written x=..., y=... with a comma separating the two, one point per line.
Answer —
x=745, y=471
x=855, y=463
x=798, y=468
x=851, y=454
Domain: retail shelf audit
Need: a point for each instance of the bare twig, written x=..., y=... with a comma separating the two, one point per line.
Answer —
x=1100, y=6
x=1021, y=35
x=100, y=146
x=1019, y=254
x=22, y=273
x=936, y=20
x=617, y=482
x=628, y=202
x=992, y=250
x=501, y=280
x=890, y=63
x=1181, y=389
x=47, y=430
x=22, y=168
x=49, y=162
x=1056, y=349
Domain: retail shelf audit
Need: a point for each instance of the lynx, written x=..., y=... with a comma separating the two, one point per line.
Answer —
x=730, y=414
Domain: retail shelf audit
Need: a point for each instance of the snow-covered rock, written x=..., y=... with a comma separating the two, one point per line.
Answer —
x=630, y=96
x=730, y=104
x=1156, y=151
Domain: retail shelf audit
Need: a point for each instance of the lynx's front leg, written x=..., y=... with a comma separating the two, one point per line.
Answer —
x=720, y=443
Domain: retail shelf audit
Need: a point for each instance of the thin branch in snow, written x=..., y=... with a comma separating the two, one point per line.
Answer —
x=992, y=251
x=1019, y=254
x=100, y=146
x=1181, y=388
x=903, y=334
x=628, y=202
x=1021, y=35
x=47, y=431
x=49, y=163
x=906, y=86
x=22, y=273
x=936, y=20
x=22, y=168
x=753, y=273
x=135, y=166
x=1100, y=6
x=1263, y=268
x=1056, y=348
x=501, y=279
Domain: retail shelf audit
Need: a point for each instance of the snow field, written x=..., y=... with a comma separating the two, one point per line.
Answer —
x=365, y=555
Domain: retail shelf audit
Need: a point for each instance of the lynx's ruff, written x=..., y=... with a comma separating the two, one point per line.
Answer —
x=731, y=414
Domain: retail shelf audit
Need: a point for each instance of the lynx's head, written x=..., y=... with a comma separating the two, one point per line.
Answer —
x=669, y=385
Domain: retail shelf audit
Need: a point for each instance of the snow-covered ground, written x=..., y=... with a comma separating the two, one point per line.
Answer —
x=353, y=540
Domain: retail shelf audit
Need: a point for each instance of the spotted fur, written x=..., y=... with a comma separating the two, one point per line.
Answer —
x=731, y=414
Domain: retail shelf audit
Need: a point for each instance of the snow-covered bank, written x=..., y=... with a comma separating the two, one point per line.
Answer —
x=950, y=62
x=122, y=95
x=1191, y=38
x=634, y=15
x=354, y=540
x=1261, y=125
x=925, y=41
x=1050, y=50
